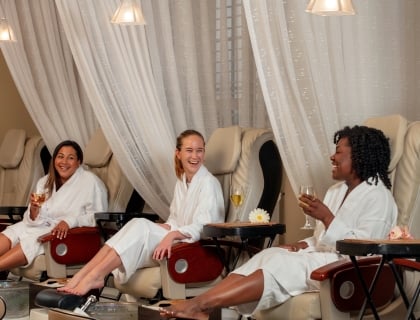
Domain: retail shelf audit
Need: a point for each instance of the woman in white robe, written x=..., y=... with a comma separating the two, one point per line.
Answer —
x=73, y=196
x=360, y=206
x=197, y=200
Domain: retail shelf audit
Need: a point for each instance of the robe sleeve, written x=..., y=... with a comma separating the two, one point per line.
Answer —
x=95, y=200
x=369, y=214
x=209, y=209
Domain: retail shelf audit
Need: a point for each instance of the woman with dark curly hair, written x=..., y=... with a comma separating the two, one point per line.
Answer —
x=359, y=206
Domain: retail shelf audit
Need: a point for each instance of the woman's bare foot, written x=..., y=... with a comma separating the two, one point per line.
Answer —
x=186, y=309
x=71, y=283
x=84, y=285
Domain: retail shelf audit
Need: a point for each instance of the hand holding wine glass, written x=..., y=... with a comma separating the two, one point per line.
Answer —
x=310, y=191
x=39, y=197
x=237, y=196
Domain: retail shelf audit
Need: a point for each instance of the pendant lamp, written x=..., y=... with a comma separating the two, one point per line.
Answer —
x=128, y=13
x=330, y=7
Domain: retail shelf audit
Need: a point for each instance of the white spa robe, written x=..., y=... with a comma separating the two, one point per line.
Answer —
x=192, y=207
x=75, y=202
x=369, y=211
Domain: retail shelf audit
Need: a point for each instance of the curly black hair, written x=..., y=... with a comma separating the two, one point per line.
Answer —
x=370, y=152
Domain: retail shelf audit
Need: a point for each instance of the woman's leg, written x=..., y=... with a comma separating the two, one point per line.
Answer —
x=233, y=290
x=92, y=275
x=12, y=258
x=5, y=244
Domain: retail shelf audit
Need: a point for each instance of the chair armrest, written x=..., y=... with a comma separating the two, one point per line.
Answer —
x=408, y=263
x=124, y=217
x=230, y=244
x=120, y=218
x=80, y=245
x=110, y=222
x=345, y=289
x=72, y=232
x=328, y=270
x=12, y=211
x=194, y=262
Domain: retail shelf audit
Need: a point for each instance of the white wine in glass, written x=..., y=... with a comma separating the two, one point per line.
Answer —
x=40, y=197
x=309, y=221
x=237, y=197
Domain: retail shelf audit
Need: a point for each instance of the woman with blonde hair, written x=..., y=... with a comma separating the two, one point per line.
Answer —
x=197, y=200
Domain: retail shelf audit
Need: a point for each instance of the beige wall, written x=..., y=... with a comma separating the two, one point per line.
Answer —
x=12, y=110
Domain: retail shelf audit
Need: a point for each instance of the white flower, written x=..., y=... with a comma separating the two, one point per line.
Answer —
x=259, y=215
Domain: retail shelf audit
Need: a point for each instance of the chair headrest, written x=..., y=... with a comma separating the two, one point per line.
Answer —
x=97, y=152
x=394, y=127
x=12, y=148
x=223, y=150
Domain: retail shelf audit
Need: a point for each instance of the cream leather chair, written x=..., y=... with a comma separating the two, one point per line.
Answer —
x=65, y=257
x=246, y=156
x=405, y=174
x=20, y=168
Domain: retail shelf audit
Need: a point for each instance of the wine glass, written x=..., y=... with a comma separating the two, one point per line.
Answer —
x=237, y=196
x=309, y=221
x=40, y=196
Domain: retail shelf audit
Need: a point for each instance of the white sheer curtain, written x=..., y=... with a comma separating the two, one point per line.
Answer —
x=192, y=66
x=321, y=73
x=147, y=84
x=114, y=63
x=42, y=67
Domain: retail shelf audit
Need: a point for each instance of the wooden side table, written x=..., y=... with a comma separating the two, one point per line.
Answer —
x=244, y=231
x=388, y=250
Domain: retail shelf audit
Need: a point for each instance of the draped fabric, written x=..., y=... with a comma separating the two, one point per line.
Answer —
x=147, y=84
x=192, y=66
x=319, y=74
x=43, y=70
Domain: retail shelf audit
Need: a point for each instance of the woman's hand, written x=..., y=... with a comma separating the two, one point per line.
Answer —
x=294, y=247
x=163, y=249
x=60, y=230
x=314, y=207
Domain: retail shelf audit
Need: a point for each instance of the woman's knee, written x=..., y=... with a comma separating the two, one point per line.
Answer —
x=5, y=244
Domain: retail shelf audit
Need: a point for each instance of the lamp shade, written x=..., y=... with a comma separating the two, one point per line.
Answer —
x=128, y=13
x=331, y=7
x=6, y=32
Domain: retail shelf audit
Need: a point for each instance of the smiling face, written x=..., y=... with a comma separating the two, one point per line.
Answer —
x=66, y=162
x=191, y=155
x=341, y=161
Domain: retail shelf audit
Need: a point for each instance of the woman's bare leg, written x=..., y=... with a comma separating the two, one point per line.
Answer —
x=92, y=275
x=5, y=244
x=233, y=290
x=12, y=258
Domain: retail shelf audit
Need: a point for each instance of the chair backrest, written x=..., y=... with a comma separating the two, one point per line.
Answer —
x=20, y=167
x=407, y=181
x=404, y=167
x=99, y=158
x=394, y=127
x=248, y=157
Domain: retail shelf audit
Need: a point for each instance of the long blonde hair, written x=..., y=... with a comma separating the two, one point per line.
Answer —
x=179, y=169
